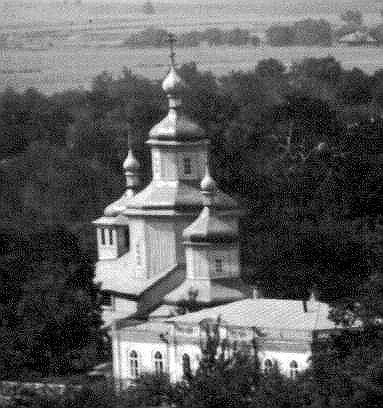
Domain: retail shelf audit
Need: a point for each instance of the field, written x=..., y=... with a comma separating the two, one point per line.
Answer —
x=54, y=47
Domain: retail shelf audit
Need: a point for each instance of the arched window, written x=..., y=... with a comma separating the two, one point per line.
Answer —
x=133, y=364
x=158, y=363
x=267, y=366
x=293, y=370
x=186, y=367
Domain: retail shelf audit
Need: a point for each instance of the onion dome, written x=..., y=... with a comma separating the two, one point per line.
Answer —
x=132, y=171
x=173, y=85
x=208, y=227
x=208, y=185
x=176, y=126
x=131, y=167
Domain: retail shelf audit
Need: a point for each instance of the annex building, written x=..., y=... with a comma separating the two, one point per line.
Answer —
x=177, y=240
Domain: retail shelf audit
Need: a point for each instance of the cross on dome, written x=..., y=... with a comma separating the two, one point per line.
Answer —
x=172, y=40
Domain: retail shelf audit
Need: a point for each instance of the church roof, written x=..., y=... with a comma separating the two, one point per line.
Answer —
x=120, y=220
x=208, y=227
x=266, y=313
x=177, y=126
x=210, y=291
x=176, y=195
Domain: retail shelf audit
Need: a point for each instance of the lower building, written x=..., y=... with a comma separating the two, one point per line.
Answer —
x=284, y=332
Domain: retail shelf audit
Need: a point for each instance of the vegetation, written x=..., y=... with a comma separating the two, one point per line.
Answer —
x=301, y=149
x=154, y=37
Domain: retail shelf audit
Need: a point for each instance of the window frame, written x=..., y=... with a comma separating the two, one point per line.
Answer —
x=187, y=166
x=133, y=364
x=158, y=363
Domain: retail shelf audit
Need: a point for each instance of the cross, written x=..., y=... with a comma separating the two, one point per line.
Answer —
x=172, y=39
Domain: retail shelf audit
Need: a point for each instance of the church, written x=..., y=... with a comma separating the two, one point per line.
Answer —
x=177, y=241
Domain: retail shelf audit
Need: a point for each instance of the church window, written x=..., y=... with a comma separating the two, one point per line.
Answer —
x=293, y=370
x=133, y=364
x=127, y=238
x=267, y=366
x=186, y=367
x=218, y=266
x=138, y=255
x=158, y=363
x=187, y=166
x=103, y=236
x=110, y=237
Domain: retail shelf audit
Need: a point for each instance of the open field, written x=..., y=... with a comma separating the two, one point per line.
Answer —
x=57, y=70
x=53, y=47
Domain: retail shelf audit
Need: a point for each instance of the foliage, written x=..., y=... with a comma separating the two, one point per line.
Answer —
x=154, y=37
x=50, y=319
x=300, y=148
x=352, y=16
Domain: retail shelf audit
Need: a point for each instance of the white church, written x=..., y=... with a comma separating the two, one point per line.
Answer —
x=176, y=240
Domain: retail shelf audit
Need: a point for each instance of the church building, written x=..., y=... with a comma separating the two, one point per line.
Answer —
x=175, y=241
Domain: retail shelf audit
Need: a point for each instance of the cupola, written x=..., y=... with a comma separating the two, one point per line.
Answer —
x=176, y=126
x=209, y=227
x=211, y=242
x=132, y=173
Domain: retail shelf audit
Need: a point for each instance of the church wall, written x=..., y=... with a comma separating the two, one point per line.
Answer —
x=197, y=263
x=137, y=246
x=183, y=163
x=161, y=243
x=283, y=359
x=147, y=343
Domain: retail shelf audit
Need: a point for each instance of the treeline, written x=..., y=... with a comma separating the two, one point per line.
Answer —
x=153, y=37
x=307, y=32
x=300, y=148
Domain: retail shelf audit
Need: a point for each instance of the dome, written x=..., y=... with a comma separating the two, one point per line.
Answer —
x=173, y=84
x=208, y=184
x=131, y=164
x=177, y=126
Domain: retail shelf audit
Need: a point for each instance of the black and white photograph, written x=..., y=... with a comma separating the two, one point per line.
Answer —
x=191, y=203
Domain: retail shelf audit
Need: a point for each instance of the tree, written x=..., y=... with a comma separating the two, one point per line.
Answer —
x=312, y=32
x=352, y=17
x=280, y=35
x=226, y=375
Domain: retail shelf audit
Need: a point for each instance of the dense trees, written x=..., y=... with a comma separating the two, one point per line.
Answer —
x=154, y=37
x=300, y=148
x=303, y=32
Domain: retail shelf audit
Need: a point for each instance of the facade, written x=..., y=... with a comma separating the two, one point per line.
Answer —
x=174, y=241
x=285, y=333
x=176, y=236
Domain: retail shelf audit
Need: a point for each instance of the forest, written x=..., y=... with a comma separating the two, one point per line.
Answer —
x=300, y=148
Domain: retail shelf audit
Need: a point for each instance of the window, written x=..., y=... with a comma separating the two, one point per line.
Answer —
x=293, y=370
x=107, y=299
x=267, y=366
x=103, y=238
x=218, y=266
x=127, y=238
x=110, y=237
x=186, y=367
x=187, y=166
x=138, y=254
x=133, y=364
x=158, y=363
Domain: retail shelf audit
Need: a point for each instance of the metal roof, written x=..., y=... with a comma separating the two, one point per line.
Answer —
x=266, y=313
